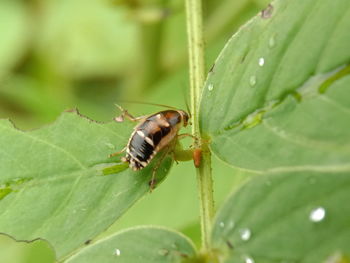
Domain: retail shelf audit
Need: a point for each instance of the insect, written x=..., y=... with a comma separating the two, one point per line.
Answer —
x=153, y=133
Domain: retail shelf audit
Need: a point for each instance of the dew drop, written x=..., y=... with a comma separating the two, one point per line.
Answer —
x=222, y=224
x=231, y=225
x=117, y=252
x=252, y=81
x=272, y=42
x=317, y=214
x=261, y=62
x=248, y=259
x=210, y=87
x=245, y=234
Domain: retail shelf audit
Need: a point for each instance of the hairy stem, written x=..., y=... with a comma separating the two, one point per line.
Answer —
x=197, y=77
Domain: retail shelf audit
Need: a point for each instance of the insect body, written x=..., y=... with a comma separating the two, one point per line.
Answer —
x=152, y=134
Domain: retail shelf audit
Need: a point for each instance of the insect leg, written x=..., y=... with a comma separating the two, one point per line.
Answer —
x=126, y=114
x=184, y=135
x=117, y=153
x=196, y=154
x=174, y=157
x=156, y=167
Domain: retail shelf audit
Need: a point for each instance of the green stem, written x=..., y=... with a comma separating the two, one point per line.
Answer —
x=197, y=78
x=205, y=187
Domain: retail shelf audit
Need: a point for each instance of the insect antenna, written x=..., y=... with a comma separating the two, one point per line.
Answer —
x=186, y=102
x=188, y=108
x=147, y=103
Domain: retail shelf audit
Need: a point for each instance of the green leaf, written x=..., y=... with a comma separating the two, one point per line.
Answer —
x=278, y=96
x=51, y=185
x=286, y=217
x=141, y=244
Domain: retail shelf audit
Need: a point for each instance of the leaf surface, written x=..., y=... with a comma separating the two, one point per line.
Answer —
x=286, y=217
x=51, y=185
x=141, y=244
x=278, y=94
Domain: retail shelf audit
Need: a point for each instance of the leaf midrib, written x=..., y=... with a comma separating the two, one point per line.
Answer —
x=54, y=146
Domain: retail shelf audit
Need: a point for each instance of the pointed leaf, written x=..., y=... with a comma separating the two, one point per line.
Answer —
x=278, y=94
x=141, y=244
x=51, y=185
x=286, y=217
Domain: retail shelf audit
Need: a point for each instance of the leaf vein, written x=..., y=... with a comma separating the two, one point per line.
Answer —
x=54, y=146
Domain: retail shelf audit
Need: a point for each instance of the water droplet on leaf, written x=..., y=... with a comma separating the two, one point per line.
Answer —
x=222, y=224
x=245, y=234
x=272, y=42
x=210, y=87
x=261, y=62
x=317, y=214
x=252, y=81
x=248, y=259
x=117, y=252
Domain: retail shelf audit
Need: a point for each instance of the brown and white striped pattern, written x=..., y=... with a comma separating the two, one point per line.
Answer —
x=151, y=135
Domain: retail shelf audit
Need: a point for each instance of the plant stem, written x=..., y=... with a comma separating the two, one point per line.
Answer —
x=205, y=187
x=197, y=78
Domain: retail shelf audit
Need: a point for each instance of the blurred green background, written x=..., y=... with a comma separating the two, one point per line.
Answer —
x=61, y=54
